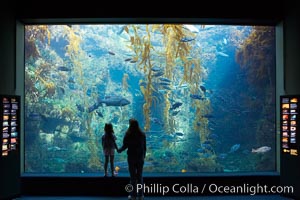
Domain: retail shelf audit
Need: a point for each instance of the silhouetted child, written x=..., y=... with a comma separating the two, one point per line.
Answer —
x=109, y=145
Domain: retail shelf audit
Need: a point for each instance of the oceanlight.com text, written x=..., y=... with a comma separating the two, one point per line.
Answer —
x=250, y=189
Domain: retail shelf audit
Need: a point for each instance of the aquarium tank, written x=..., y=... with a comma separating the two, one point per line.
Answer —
x=203, y=94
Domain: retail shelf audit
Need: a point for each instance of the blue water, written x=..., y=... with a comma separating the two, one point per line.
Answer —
x=209, y=90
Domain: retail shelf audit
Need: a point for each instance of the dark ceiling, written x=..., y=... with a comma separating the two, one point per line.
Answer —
x=183, y=11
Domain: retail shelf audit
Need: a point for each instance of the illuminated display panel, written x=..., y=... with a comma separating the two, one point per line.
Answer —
x=10, y=123
x=289, y=114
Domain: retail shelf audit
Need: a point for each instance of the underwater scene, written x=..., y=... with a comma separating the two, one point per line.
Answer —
x=203, y=94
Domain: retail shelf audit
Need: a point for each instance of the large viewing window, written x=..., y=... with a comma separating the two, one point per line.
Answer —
x=203, y=94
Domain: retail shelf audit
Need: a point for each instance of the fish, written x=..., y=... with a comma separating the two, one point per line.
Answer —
x=234, y=148
x=262, y=149
x=164, y=83
x=71, y=80
x=212, y=136
x=196, y=96
x=80, y=107
x=33, y=116
x=166, y=87
x=175, y=112
x=182, y=86
x=142, y=83
x=178, y=133
x=163, y=79
x=121, y=30
x=222, y=155
x=99, y=114
x=175, y=105
x=56, y=148
x=109, y=101
x=222, y=54
x=203, y=88
x=200, y=150
x=63, y=68
x=89, y=92
x=187, y=39
x=111, y=53
x=158, y=73
x=114, y=101
x=156, y=121
x=60, y=90
x=156, y=69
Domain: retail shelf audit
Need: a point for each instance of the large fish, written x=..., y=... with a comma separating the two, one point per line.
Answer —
x=262, y=149
x=110, y=101
x=234, y=148
x=222, y=54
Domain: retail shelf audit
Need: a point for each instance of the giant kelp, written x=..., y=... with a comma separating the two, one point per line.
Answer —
x=34, y=34
x=180, y=65
x=75, y=54
x=47, y=79
x=141, y=45
x=257, y=58
x=177, y=45
x=174, y=48
x=256, y=55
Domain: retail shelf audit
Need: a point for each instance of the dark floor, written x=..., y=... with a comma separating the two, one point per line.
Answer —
x=227, y=197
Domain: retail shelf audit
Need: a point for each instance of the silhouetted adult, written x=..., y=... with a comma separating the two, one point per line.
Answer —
x=135, y=143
